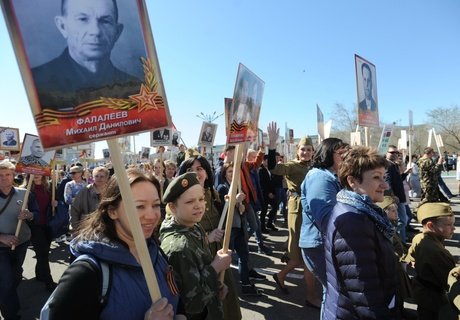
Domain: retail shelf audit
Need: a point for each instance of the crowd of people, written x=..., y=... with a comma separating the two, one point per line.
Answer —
x=347, y=214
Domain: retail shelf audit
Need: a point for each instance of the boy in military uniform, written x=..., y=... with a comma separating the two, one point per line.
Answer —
x=432, y=261
x=185, y=243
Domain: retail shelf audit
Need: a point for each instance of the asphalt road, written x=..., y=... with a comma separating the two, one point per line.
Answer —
x=273, y=305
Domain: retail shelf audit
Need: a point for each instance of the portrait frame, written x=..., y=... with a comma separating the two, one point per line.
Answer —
x=202, y=141
x=246, y=105
x=141, y=106
x=368, y=115
x=145, y=153
x=24, y=164
x=155, y=142
x=8, y=145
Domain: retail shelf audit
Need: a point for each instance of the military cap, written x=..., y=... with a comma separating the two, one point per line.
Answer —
x=76, y=168
x=432, y=210
x=305, y=141
x=179, y=185
x=387, y=200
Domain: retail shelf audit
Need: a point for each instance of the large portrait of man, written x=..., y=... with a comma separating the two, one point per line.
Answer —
x=87, y=66
x=9, y=139
x=366, y=84
x=246, y=104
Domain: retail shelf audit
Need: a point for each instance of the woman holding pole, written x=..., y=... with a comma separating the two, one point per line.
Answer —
x=105, y=237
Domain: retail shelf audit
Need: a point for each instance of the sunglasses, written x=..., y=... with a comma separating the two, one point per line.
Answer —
x=394, y=152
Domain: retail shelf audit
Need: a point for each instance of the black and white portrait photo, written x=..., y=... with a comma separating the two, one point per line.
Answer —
x=80, y=50
x=9, y=139
x=207, y=134
x=366, y=84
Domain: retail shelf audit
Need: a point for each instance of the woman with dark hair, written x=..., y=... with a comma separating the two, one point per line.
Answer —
x=41, y=239
x=319, y=190
x=360, y=260
x=105, y=237
x=210, y=222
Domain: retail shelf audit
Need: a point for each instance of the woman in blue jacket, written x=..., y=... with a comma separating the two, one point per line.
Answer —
x=360, y=261
x=106, y=238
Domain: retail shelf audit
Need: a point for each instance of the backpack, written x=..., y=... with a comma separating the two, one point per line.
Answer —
x=105, y=273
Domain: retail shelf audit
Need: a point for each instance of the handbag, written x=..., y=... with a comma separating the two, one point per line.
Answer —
x=59, y=223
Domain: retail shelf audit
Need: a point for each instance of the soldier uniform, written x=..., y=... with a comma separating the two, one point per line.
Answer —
x=189, y=253
x=31, y=160
x=429, y=174
x=432, y=263
x=294, y=171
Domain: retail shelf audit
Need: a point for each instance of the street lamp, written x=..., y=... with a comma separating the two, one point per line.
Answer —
x=209, y=117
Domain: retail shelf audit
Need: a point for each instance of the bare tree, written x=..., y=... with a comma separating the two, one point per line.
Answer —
x=446, y=121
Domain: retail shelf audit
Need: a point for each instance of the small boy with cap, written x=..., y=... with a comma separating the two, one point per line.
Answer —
x=432, y=261
x=185, y=243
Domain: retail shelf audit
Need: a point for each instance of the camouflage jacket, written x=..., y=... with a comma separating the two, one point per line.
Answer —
x=429, y=173
x=188, y=252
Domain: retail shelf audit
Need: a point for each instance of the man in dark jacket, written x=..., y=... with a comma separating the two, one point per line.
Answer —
x=269, y=196
x=394, y=180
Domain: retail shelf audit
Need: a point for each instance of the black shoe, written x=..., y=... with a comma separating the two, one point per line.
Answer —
x=265, y=250
x=412, y=229
x=253, y=274
x=272, y=227
x=50, y=286
x=280, y=285
x=250, y=290
x=264, y=230
x=285, y=257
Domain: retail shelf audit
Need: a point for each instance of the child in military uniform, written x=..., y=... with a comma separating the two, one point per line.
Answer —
x=185, y=243
x=432, y=261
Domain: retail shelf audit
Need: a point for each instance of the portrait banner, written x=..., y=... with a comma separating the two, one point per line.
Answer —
x=320, y=122
x=228, y=115
x=161, y=137
x=366, y=87
x=9, y=139
x=145, y=153
x=247, y=101
x=33, y=159
x=207, y=134
x=83, y=88
x=385, y=138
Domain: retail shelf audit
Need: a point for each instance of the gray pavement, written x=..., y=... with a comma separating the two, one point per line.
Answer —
x=273, y=305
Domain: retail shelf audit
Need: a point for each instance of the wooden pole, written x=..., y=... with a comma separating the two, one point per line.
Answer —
x=24, y=206
x=54, y=173
x=232, y=200
x=133, y=220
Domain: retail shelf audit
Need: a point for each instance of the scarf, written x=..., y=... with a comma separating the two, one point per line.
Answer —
x=364, y=204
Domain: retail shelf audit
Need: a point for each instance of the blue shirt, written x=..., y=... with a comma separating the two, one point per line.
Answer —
x=318, y=196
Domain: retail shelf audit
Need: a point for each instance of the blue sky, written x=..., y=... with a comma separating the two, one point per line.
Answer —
x=303, y=50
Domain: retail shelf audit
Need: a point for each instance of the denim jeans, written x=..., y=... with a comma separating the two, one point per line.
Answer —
x=402, y=222
x=10, y=276
x=315, y=261
x=240, y=245
x=254, y=224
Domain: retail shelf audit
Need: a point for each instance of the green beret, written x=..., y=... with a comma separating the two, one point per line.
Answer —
x=305, y=141
x=179, y=185
x=387, y=200
x=432, y=210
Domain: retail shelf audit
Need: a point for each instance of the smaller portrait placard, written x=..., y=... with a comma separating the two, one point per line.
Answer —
x=207, y=134
x=161, y=137
x=247, y=100
x=9, y=139
x=33, y=159
x=366, y=85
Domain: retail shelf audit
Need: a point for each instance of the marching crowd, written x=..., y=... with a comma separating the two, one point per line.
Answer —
x=347, y=213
